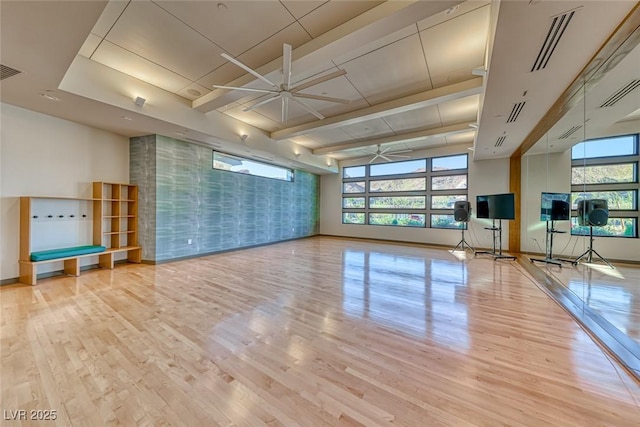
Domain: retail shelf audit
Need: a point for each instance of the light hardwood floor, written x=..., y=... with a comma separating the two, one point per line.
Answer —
x=613, y=293
x=319, y=331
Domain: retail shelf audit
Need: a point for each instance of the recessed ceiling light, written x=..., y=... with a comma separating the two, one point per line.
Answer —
x=451, y=10
x=50, y=96
x=222, y=7
x=194, y=92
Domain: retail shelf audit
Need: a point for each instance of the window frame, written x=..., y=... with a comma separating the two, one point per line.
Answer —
x=633, y=186
x=427, y=193
x=290, y=173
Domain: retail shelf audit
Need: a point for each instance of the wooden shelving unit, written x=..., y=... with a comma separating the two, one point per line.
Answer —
x=115, y=218
x=115, y=226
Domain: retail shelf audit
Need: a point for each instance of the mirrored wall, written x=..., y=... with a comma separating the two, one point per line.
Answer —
x=579, y=209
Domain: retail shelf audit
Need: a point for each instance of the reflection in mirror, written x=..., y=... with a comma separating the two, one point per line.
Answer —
x=592, y=152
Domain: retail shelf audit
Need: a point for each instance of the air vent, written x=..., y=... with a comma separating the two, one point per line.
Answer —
x=515, y=111
x=570, y=132
x=555, y=33
x=6, y=72
x=621, y=93
x=500, y=141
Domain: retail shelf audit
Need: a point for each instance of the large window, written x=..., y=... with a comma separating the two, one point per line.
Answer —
x=237, y=164
x=413, y=193
x=607, y=169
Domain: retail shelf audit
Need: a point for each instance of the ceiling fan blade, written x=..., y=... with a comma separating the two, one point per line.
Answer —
x=321, y=98
x=318, y=80
x=388, y=151
x=248, y=70
x=248, y=89
x=261, y=103
x=308, y=108
x=399, y=156
x=286, y=65
x=357, y=158
x=385, y=157
x=374, y=158
x=285, y=108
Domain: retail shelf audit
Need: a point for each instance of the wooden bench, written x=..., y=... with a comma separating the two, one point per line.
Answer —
x=106, y=259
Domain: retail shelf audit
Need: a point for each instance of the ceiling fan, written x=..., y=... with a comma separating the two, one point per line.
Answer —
x=386, y=155
x=286, y=91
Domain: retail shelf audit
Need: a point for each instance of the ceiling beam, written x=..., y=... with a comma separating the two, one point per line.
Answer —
x=373, y=24
x=395, y=106
x=403, y=137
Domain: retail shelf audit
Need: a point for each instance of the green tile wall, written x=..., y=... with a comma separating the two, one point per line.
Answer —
x=217, y=210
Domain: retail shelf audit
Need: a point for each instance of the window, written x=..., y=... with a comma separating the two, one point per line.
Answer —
x=237, y=164
x=353, y=187
x=449, y=162
x=399, y=219
x=407, y=202
x=396, y=168
x=391, y=185
x=413, y=193
x=353, y=202
x=604, y=174
x=446, y=202
x=607, y=169
x=449, y=182
x=625, y=200
x=352, y=218
x=354, y=172
x=608, y=147
x=616, y=227
x=445, y=221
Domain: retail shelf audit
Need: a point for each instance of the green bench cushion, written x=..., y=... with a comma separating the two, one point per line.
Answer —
x=66, y=252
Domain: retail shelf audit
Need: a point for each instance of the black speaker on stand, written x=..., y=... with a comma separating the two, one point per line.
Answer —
x=592, y=212
x=462, y=213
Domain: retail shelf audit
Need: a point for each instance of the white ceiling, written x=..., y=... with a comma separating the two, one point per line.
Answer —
x=408, y=70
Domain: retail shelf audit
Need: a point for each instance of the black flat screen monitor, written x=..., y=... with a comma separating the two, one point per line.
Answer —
x=496, y=206
x=482, y=207
x=502, y=206
x=555, y=207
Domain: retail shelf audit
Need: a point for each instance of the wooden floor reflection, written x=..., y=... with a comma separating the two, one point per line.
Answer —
x=612, y=293
x=320, y=331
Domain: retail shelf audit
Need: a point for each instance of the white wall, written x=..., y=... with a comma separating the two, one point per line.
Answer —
x=47, y=156
x=485, y=177
x=552, y=173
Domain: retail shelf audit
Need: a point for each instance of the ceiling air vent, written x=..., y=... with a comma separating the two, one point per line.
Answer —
x=556, y=30
x=515, y=111
x=570, y=132
x=6, y=72
x=500, y=141
x=621, y=93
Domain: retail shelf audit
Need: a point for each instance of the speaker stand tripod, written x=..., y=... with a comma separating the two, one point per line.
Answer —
x=549, y=259
x=463, y=245
x=497, y=234
x=590, y=251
